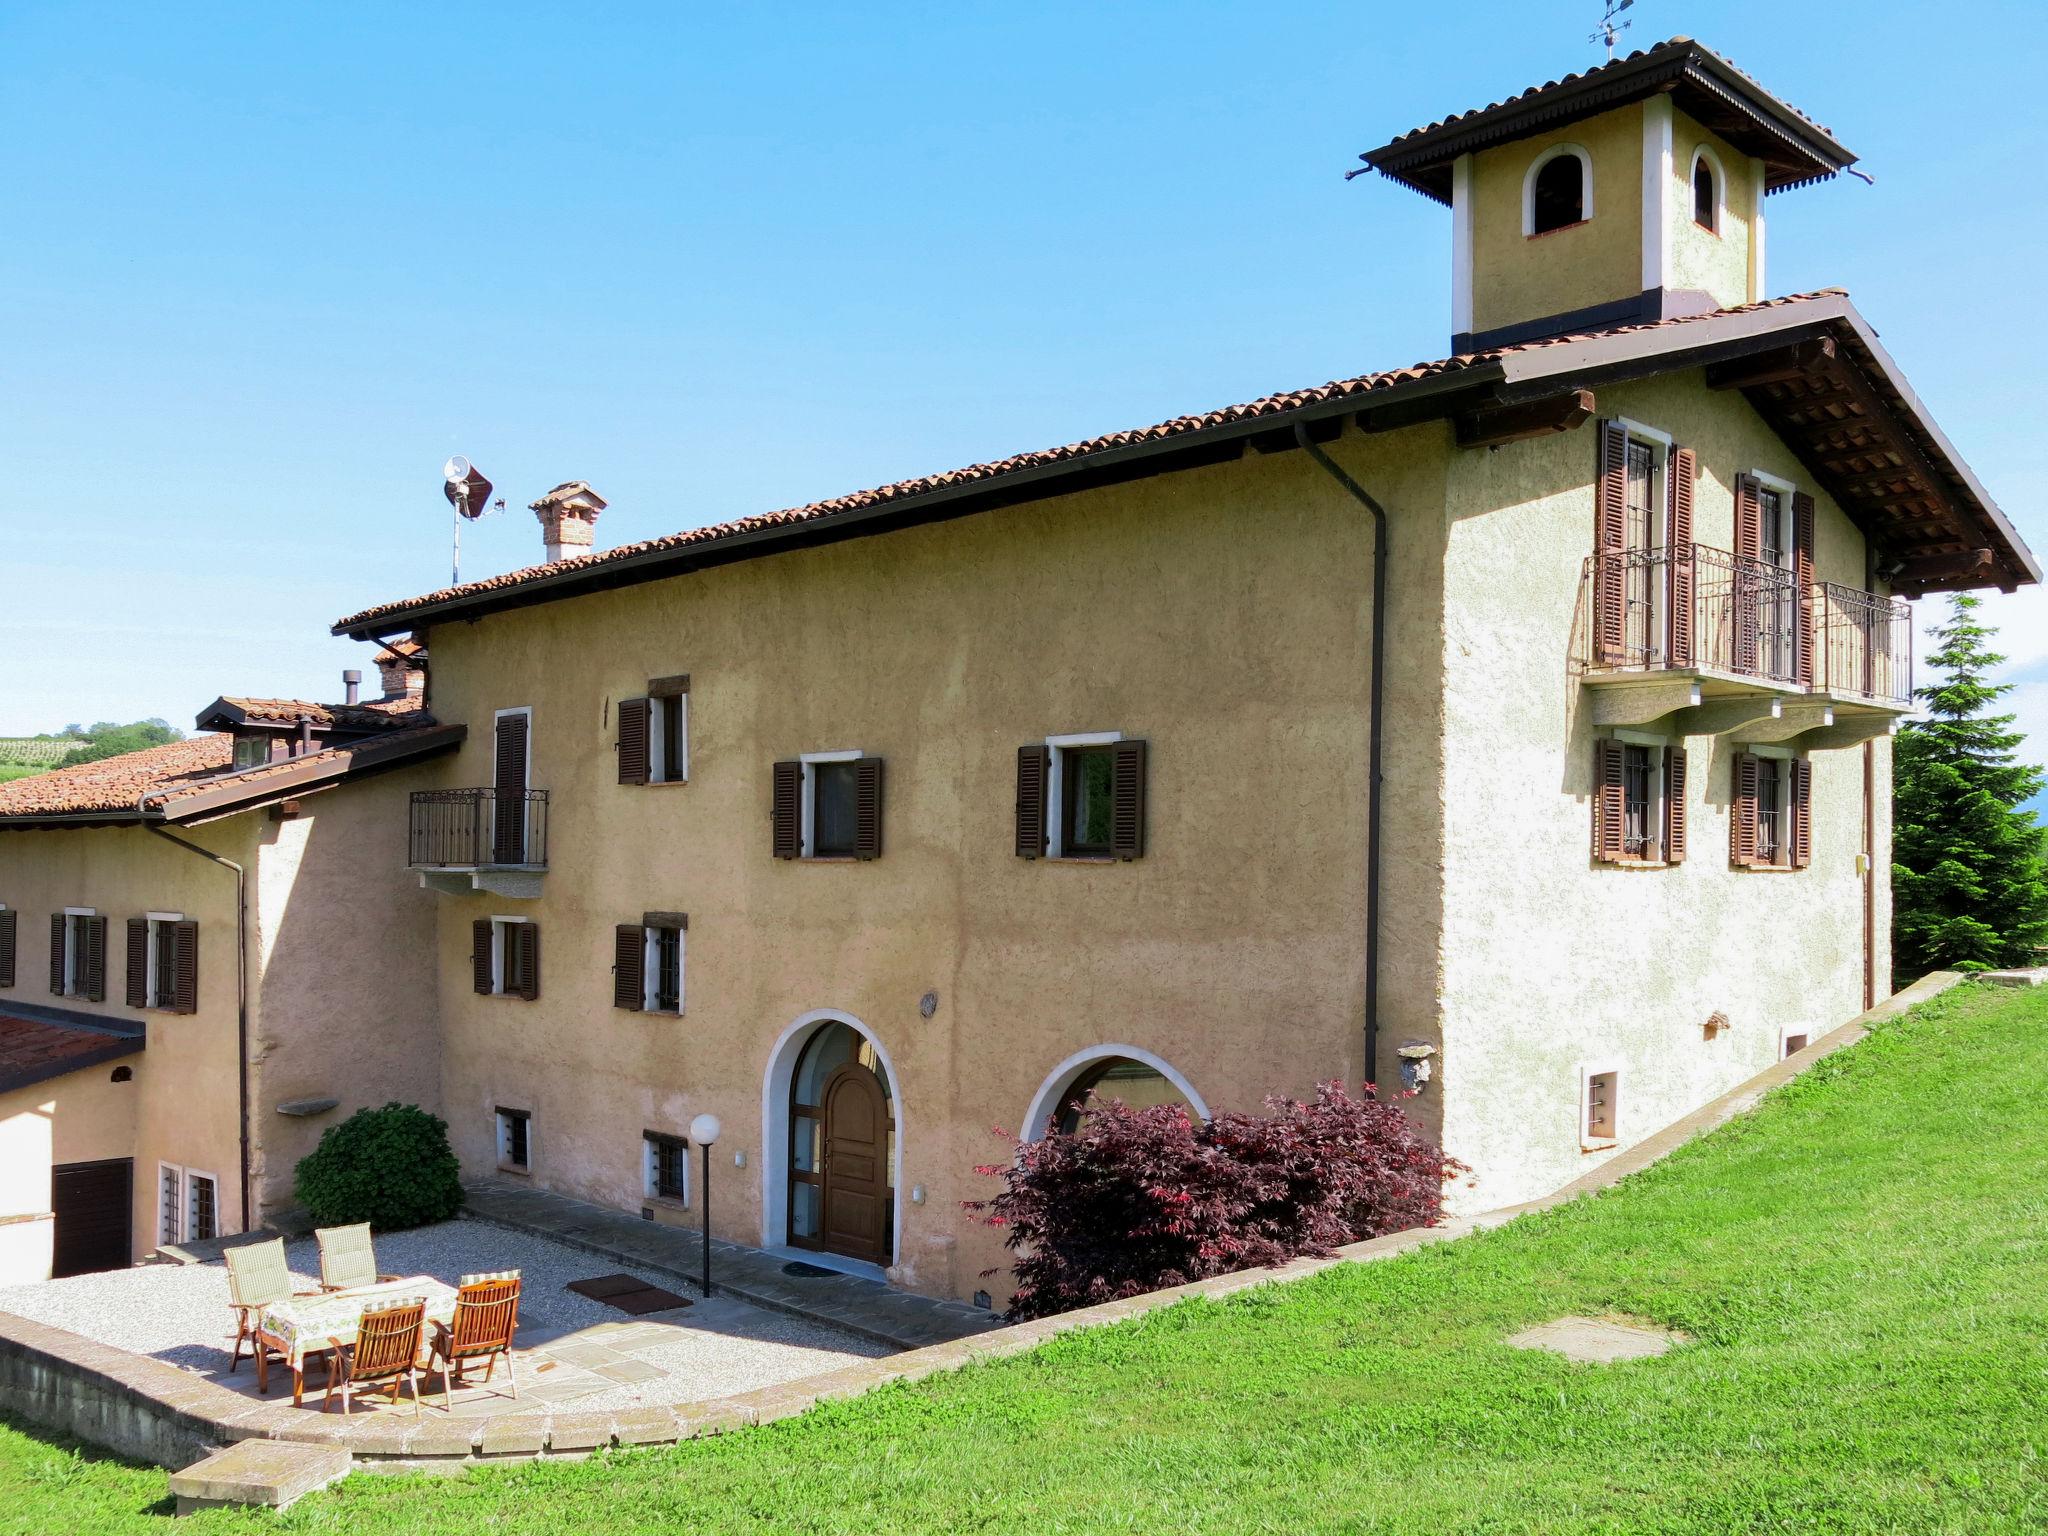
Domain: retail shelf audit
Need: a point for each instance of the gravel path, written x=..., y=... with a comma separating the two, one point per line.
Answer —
x=179, y=1313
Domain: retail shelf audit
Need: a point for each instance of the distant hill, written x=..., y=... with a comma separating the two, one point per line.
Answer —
x=21, y=756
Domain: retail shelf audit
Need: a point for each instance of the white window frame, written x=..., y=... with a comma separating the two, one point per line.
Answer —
x=1786, y=489
x=151, y=998
x=808, y=810
x=501, y=1124
x=647, y=1174
x=1588, y=1070
x=658, y=707
x=500, y=958
x=176, y=1171
x=194, y=1176
x=1660, y=786
x=72, y=957
x=650, y=969
x=1055, y=785
x=1529, y=187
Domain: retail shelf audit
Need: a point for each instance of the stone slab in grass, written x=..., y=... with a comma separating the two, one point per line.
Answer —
x=271, y=1473
x=1597, y=1340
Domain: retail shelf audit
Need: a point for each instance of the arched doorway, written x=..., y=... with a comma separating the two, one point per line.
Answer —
x=1124, y=1072
x=838, y=1162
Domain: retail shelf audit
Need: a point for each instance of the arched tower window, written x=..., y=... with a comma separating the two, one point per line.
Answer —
x=1559, y=191
x=1706, y=193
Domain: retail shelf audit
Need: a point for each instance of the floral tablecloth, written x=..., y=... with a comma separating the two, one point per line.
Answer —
x=306, y=1324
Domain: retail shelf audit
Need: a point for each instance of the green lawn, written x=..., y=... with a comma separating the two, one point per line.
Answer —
x=1862, y=1262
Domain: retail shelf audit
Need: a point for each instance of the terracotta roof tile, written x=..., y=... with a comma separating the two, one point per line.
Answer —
x=33, y=1050
x=901, y=490
x=372, y=714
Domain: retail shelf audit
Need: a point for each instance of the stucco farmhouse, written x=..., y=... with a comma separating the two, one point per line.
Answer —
x=1511, y=728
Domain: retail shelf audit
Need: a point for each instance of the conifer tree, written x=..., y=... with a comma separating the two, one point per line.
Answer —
x=1969, y=891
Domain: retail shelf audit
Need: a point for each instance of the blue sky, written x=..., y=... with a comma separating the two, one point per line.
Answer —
x=268, y=266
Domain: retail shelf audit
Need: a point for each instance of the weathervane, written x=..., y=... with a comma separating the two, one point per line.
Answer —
x=1609, y=31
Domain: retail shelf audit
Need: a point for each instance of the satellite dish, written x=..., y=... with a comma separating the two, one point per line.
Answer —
x=467, y=490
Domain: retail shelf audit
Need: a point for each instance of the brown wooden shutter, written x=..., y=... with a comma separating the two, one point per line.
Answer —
x=635, y=715
x=1802, y=565
x=1610, y=543
x=96, y=959
x=1749, y=519
x=185, y=966
x=1682, y=473
x=1034, y=768
x=788, y=811
x=508, y=831
x=629, y=967
x=1127, y=800
x=527, y=936
x=1674, y=804
x=480, y=942
x=57, y=954
x=1609, y=808
x=138, y=962
x=1802, y=813
x=7, y=947
x=867, y=808
x=1742, y=838
x=1746, y=598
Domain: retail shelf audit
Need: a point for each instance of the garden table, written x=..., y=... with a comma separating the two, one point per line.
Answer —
x=313, y=1325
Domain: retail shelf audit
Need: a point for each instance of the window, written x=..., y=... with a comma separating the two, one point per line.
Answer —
x=1599, y=1107
x=1639, y=805
x=1706, y=194
x=7, y=945
x=1771, y=841
x=1081, y=797
x=515, y=1139
x=1792, y=1039
x=1135, y=1083
x=170, y=1203
x=667, y=1164
x=1559, y=190
x=251, y=751
x=505, y=957
x=665, y=969
x=163, y=962
x=202, y=1208
x=78, y=954
x=828, y=805
x=647, y=963
x=1771, y=820
x=654, y=733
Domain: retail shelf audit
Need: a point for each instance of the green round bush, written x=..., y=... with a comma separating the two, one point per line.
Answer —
x=391, y=1167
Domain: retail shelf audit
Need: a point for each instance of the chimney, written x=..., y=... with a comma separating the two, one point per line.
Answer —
x=402, y=667
x=351, y=686
x=568, y=516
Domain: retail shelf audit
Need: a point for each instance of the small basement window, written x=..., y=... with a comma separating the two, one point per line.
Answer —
x=1792, y=1039
x=666, y=1162
x=515, y=1140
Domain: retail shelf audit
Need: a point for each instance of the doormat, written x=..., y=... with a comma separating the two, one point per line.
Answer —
x=805, y=1271
x=628, y=1294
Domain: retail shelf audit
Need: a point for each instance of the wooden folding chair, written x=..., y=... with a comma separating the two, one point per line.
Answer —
x=486, y=1316
x=386, y=1352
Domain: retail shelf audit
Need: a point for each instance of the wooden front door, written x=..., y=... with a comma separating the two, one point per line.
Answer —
x=856, y=1213
x=92, y=1203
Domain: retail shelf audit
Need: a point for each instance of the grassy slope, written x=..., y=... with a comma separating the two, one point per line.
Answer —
x=1862, y=1262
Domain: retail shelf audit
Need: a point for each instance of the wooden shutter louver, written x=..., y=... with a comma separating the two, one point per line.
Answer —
x=867, y=808
x=1127, y=800
x=480, y=945
x=1742, y=835
x=629, y=967
x=787, y=810
x=1746, y=608
x=1749, y=519
x=1680, y=477
x=95, y=988
x=1802, y=566
x=1610, y=546
x=508, y=830
x=526, y=937
x=1034, y=768
x=57, y=954
x=1609, y=808
x=185, y=966
x=138, y=962
x=1674, y=804
x=7, y=947
x=1802, y=812
x=635, y=760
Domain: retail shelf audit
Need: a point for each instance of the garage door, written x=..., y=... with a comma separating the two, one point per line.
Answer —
x=93, y=1204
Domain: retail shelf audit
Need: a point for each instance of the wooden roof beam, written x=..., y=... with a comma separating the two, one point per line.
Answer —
x=1493, y=426
x=1778, y=367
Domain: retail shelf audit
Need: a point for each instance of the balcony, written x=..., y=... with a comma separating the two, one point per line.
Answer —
x=479, y=840
x=1700, y=641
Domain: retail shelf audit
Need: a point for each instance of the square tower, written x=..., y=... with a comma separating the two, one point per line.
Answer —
x=1632, y=192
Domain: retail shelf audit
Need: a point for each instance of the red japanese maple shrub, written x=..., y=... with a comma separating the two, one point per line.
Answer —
x=1136, y=1200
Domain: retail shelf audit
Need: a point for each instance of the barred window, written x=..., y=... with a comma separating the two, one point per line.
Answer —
x=668, y=1167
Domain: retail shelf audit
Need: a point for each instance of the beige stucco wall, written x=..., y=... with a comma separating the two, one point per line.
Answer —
x=1717, y=263
x=1178, y=609
x=1519, y=277
x=1553, y=961
x=183, y=1095
x=347, y=1006
x=81, y=1117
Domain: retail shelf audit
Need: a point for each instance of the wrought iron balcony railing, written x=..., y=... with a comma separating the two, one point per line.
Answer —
x=1866, y=643
x=1689, y=605
x=478, y=829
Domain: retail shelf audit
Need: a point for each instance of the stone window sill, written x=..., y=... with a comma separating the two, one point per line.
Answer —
x=524, y=1170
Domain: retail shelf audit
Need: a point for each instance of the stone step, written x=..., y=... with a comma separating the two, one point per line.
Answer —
x=270, y=1473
